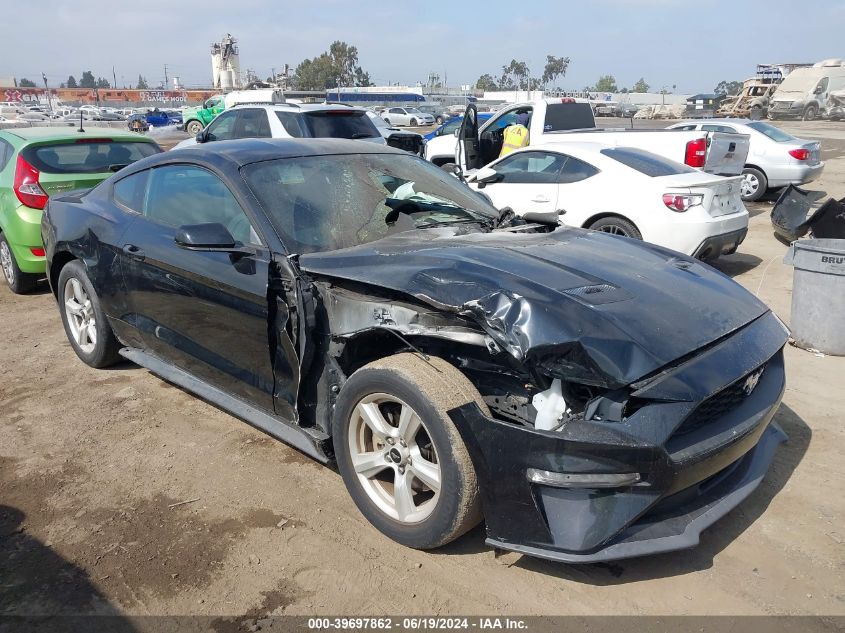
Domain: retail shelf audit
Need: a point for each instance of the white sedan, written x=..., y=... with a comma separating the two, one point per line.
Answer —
x=407, y=116
x=621, y=190
x=775, y=158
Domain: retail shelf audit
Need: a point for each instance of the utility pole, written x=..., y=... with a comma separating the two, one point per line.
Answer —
x=114, y=76
x=47, y=90
x=165, y=76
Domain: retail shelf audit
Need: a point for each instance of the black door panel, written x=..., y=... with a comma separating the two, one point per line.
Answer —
x=206, y=312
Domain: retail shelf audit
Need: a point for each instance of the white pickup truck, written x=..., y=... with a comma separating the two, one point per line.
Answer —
x=566, y=119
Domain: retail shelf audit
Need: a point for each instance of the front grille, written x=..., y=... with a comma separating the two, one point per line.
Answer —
x=717, y=405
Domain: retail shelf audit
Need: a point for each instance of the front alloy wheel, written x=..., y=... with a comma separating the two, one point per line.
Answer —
x=402, y=459
x=394, y=458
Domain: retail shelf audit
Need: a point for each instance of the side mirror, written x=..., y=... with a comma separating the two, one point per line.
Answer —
x=208, y=237
x=486, y=176
x=457, y=131
x=202, y=137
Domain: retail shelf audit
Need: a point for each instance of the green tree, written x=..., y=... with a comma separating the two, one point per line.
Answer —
x=336, y=67
x=142, y=83
x=606, y=83
x=486, y=82
x=87, y=80
x=71, y=82
x=102, y=83
x=515, y=76
x=640, y=86
x=728, y=88
x=555, y=67
x=26, y=83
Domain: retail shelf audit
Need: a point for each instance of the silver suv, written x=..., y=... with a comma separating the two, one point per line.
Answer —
x=288, y=120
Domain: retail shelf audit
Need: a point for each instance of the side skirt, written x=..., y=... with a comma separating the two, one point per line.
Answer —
x=309, y=441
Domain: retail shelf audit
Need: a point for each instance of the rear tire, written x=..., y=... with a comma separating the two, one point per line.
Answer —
x=19, y=282
x=417, y=485
x=193, y=128
x=754, y=184
x=810, y=113
x=85, y=324
x=616, y=225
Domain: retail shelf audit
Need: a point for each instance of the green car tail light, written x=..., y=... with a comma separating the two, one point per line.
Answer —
x=26, y=185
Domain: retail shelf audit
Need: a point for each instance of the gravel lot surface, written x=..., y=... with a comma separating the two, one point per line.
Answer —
x=93, y=462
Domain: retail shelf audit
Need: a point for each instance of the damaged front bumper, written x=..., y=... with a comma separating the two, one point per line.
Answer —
x=700, y=443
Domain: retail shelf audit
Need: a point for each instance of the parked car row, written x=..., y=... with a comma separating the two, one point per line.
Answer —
x=408, y=325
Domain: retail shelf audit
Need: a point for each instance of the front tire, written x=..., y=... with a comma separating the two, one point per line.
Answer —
x=401, y=457
x=616, y=225
x=754, y=184
x=85, y=324
x=413, y=123
x=19, y=282
x=193, y=128
x=810, y=113
x=439, y=120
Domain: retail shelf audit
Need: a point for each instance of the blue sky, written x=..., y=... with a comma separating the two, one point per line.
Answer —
x=692, y=45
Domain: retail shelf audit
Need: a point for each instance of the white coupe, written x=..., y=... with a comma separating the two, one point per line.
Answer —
x=621, y=190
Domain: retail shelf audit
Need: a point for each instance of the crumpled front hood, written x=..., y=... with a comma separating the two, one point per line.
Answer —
x=626, y=307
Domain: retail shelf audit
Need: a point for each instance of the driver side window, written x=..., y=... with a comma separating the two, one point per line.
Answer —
x=531, y=167
x=178, y=195
x=223, y=127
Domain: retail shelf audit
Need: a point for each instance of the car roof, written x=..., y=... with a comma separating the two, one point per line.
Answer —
x=710, y=121
x=253, y=150
x=299, y=107
x=72, y=133
x=584, y=150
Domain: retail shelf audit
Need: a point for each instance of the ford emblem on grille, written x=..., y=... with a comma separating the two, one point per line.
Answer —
x=751, y=382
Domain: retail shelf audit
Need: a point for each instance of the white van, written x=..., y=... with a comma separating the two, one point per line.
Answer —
x=805, y=92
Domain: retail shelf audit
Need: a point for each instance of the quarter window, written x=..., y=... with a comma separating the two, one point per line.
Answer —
x=129, y=191
x=180, y=195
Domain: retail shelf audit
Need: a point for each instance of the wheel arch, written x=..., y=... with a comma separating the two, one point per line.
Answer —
x=757, y=167
x=609, y=214
x=59, y=261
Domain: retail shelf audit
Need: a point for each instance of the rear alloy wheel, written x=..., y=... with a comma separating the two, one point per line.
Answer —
x=193, y=128
x=401, y=457
x=754, y=184
x=19, y=282
x=810, y=113
x=85, y=324
x=617, y=226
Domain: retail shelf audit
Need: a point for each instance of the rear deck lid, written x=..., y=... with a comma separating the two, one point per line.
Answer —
x=726, y=153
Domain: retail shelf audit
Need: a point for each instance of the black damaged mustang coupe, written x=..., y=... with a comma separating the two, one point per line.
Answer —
x=590, y=397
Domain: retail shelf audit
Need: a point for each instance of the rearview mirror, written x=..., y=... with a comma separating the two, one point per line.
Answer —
x=209, y=237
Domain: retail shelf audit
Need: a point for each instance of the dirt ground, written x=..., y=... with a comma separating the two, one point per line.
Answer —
x=93, y=463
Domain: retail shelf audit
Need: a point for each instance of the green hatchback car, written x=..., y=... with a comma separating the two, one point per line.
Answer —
x=38, y=162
